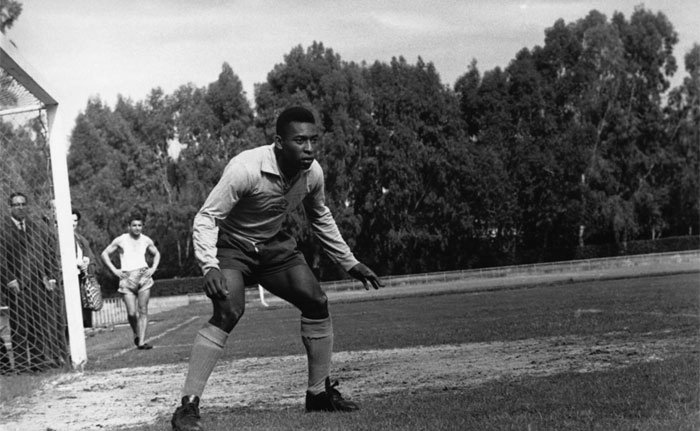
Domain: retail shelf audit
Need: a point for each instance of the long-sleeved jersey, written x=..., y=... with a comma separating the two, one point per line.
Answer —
x=251, y=200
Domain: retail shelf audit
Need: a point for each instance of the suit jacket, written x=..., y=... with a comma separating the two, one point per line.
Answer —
x=36, y=314
x=25, y=256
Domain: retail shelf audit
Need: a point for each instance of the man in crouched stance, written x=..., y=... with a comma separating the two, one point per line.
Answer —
x=238, y=241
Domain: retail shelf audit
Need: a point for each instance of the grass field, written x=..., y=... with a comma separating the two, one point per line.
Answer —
x=604, y=355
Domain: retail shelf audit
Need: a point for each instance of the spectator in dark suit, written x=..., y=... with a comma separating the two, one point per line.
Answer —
x=29, y=288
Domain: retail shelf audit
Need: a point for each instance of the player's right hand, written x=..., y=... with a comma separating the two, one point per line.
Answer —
x=215, y=284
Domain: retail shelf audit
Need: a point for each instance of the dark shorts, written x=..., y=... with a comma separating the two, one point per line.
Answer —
x=275, y=255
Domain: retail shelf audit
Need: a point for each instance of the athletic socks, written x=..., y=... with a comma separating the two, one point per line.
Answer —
x=317, y=336
x=206, y=350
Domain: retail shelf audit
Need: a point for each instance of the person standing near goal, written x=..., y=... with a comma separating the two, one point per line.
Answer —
x=238, y=241
x=86, y=262
x=31, y=289
x=135, y=276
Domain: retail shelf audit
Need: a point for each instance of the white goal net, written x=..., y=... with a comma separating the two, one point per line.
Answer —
x=40, y=322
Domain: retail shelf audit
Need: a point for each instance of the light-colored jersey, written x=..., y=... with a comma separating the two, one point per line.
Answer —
x=132, y=252
x=251, y=201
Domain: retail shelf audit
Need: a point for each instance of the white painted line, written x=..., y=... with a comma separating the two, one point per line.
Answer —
x=164, y=333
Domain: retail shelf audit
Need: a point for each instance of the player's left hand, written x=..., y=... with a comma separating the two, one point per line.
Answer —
x=366, y=276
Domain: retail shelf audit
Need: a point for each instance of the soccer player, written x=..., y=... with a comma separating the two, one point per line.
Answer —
x=238, y=241
x=135, y=276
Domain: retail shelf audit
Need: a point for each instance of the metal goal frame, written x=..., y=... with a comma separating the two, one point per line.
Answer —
x=42, y=100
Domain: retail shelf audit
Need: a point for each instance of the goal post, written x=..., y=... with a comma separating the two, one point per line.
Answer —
x=41, y=321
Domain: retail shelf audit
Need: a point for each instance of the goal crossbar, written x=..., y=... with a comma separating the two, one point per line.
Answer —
x=12, y=62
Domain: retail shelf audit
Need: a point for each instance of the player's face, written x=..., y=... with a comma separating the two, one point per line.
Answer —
x=75, y=221
x=135, y=227
x=18, y=207
x=297, y=146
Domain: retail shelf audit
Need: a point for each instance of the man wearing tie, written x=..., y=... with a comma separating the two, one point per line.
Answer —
x=29, y=288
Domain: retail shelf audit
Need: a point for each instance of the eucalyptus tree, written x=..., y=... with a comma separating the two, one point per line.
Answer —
x=411, y=194
x=579, y=126
x=683, y=127
x=627, y=65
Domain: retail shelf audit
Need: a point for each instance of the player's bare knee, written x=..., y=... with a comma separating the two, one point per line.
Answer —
x=232, y=316
x=227, y=317
x=315, y=307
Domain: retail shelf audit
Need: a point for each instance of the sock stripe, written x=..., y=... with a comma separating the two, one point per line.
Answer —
x=214, y=334
x=316, y=328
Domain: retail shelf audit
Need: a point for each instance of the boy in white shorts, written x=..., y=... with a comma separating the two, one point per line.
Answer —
x=135, y=276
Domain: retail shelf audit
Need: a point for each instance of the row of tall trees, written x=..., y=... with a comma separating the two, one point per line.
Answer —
x=578, y=141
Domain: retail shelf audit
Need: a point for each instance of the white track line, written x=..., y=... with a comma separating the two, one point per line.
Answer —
x=166, y=332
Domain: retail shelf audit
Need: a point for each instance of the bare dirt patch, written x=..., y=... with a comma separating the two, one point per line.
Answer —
x=99, y=400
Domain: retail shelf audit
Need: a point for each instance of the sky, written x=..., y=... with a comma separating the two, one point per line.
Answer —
x=105, y=48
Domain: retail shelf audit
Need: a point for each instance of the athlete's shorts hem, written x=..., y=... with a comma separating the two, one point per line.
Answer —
x=136, y=282
x=276, y=255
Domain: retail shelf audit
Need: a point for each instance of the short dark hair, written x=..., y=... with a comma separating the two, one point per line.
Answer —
x=297, y=114
x=77, y=214
x=135, y=216
x=15, y=194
